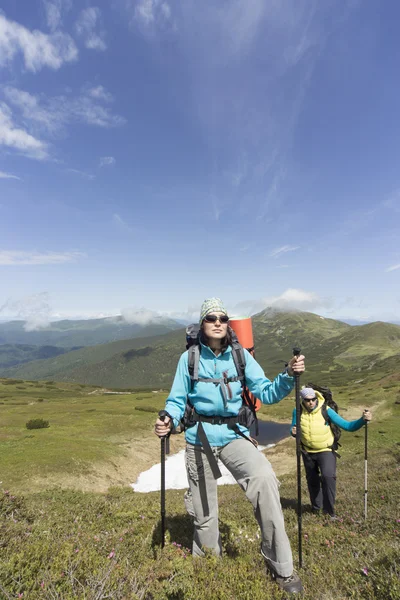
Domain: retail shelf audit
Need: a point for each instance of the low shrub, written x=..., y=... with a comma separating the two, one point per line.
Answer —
x=37, y=424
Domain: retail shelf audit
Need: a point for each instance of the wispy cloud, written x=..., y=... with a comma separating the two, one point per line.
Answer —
x=107, y=161
x=392, y=268
x=4, y=175
x=40, y=117
x=56, y=112
x=19, y=139
x=54, y=10
x=16, y=257
x=81, y=173
x=38, y=49
x=88, y=27
x=118, y=221
x=282, y=250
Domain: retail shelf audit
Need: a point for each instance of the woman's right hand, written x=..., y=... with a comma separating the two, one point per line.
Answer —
x=163, y=428
x=294, y=431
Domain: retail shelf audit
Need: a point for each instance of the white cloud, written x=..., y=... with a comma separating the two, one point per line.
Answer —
x=39, y=49
x=4, y=175
x=34, y=310
x=290, y=299
x=106, y=161
x=282, y=250
x=86, y=28
x=294, y=299
x=54, y=11
x=149, y=12
x=393, y=268
x=100, y=93
x=16, y=257
x=140, y=316
x=19, y=139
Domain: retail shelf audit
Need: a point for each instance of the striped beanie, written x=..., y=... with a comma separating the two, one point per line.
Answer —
x=211, y=305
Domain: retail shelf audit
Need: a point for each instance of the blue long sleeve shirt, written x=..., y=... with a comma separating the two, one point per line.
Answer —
x=208, y=399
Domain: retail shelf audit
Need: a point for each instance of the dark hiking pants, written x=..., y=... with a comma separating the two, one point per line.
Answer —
x=321, y=479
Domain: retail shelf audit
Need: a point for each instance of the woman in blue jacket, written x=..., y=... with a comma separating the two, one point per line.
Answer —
x=215, y=432
x=317, y=443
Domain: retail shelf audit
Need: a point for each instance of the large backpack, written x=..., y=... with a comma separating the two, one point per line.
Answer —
x=329, y=402
x=193, y=347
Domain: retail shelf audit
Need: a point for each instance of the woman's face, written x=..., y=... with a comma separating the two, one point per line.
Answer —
x=310, y=403
x=216, y=330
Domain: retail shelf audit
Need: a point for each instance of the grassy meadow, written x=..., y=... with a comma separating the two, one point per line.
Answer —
x=72, y=528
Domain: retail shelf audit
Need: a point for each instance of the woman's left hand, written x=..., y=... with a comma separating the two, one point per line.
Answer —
x=296, y=366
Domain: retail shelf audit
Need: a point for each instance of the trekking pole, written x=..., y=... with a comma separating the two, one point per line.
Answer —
x=296, y=352
x=366, y=470
x=164, y=450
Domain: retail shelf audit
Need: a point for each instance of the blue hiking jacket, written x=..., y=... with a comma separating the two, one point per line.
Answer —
x=207, y=398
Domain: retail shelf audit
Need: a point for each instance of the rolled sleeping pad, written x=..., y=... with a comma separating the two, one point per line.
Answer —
x=243, y=328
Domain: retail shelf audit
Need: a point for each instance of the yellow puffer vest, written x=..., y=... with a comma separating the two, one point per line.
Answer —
x=316, y=436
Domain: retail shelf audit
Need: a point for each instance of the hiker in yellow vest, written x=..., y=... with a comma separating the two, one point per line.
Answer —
x=317, y=442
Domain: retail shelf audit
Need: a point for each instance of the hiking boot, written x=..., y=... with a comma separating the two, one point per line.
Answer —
x=290, y=585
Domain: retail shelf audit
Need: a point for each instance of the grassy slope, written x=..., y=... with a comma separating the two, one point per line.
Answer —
x=84, y=364
x=75, y=545
x=17, y=354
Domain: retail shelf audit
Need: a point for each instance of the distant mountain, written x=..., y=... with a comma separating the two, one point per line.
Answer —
x=17, y=354
x=334, y=350
x=69, y=333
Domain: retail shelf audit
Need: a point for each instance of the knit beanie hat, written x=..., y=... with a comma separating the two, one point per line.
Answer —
x=307, y=393
x=211, y=305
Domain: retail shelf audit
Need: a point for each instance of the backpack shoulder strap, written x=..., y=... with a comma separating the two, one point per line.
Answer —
x=193, y=362
x=239, y=360
x=324, y=412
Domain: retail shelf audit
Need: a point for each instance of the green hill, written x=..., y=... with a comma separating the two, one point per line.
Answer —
x=86, y=332
x=338, y=351
x=17, y=354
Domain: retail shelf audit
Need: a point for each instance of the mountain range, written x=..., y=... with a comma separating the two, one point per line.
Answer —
x=334, y=350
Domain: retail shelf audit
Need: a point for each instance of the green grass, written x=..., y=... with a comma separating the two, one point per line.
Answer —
x=74, y=545
x=86, y=431
x=70, y=544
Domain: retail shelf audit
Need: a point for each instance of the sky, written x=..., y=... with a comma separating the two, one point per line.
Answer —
x=154, y=153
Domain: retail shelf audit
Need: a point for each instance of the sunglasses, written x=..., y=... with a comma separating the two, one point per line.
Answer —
x=214, y=318
x=309, y=399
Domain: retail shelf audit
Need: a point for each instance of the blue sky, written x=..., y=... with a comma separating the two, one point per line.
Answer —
x=154, y=153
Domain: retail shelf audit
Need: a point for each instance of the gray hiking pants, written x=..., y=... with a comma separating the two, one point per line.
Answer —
x=256, y=477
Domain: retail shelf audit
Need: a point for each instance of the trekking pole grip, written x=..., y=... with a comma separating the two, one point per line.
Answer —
x=162, y=414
